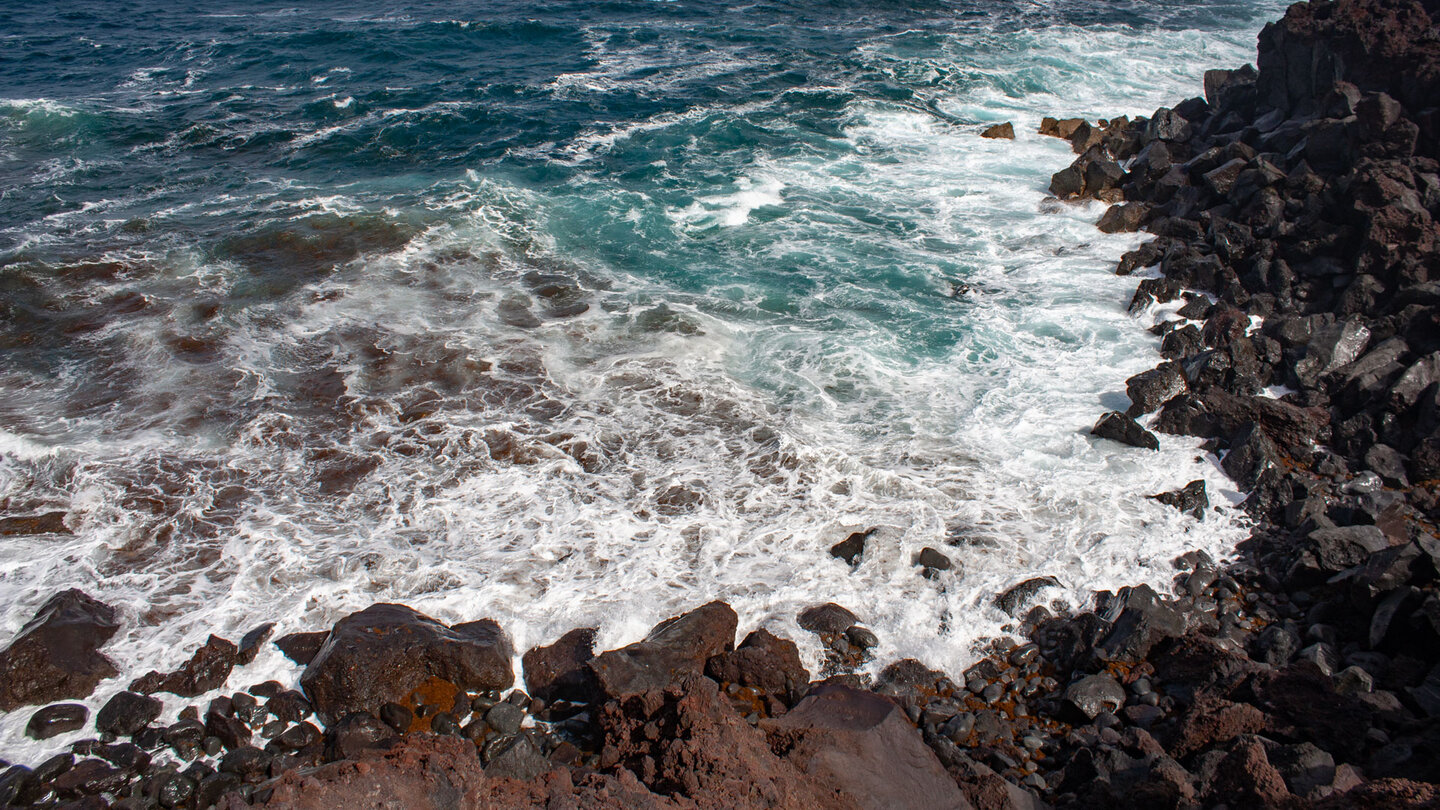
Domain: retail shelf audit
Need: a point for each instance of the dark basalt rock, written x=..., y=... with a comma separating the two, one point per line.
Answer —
x=206, y=670
x=387, y=653
x=127, y=713
x=355, y=733
x=56, y=655
x=302, y=647
x=1123, y=217
x=56, y=719
x=561, y=671
x=852, y=548
x=251, y=642
x=1141, y=620
x=826, y=618
x=674, y=648
x=766, y=662
x=1190, y=499
x=932, y=562
x=1020, y=594
x=1093, y=694
x=1118, y=427
x=1148, y=390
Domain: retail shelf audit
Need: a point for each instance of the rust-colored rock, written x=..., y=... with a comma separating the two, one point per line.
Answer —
x=862, y=745
x=383, y=654
x=764, y=661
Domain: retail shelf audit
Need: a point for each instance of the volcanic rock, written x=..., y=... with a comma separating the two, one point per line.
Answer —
x=674, y=648
x=391, y=653
x=127, y=713
x=1004, y=131
x=56, y=655
x=207, y=669
x=1190, y=499
x=56, y=719
x=862, y=745
x=561, y=670
x=1118, y=427
x=302, y=647
x=764, y=661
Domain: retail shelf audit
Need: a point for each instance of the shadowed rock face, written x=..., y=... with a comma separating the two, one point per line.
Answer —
x=385, y=653
x=56, y=656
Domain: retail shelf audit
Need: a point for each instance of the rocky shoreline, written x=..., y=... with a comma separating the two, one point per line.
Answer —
x=1296, y=264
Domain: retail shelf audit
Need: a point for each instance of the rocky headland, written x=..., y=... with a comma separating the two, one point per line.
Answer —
x=1294, y=260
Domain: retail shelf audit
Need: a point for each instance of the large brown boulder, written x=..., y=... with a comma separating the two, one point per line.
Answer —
x=390, y=653
x=675, y=648
x=861, y=745
x=56, y=656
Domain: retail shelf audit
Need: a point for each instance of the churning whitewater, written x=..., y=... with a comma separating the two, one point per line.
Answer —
x=573, y=314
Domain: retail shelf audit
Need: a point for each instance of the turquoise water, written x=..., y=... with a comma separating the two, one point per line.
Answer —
x=573, y=313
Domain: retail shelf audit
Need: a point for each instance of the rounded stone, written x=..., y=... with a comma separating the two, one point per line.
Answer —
x=56, y=719
x=505, y=718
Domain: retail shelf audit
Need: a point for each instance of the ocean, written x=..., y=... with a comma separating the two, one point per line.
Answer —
x=574, y=313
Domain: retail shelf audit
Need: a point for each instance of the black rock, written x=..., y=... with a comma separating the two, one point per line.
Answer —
x=386, y=652
x=176, y=791
x=561, y=671
x=852, y=548
x=302, y=647
x=1149, y=390
x=290, y=706
x=56, y=655
x=515, y=757
x=247, y=762
x=206, y=670
x=251, y=641
x=1143, y=621
x=1020, y=594
x=56, y=719
x=396, y=717
x=826, y=618
x=1093, y=694
x=127, y=713
x=505, y=718
x=1275, y=645
x=298, y=736
x=932, y=562
x=1121, y=428
x=1190, y=499
x=354, y=733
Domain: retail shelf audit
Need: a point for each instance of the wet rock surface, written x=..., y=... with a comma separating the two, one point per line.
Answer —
x=56, y=655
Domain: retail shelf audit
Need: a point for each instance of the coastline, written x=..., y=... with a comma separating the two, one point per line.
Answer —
x=1211, y=696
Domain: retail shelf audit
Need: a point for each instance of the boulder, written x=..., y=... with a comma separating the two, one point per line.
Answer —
x=932, y=562
x=863, y=746
x=1166, y=125
x=1332, y=346
x=1118, y=427
x=250, y=643
x=56, y=719
x=827, y=618
x=1123, y=217
x=1143, y=620
x=1148, y=390
x=127, y=713
x=302, y=647
x=207, y=669
x=56, y=655
x=1093, y=694
x=561, y=671
x=1020, y=594
x=1190, y=499
x=1332, y=550
x=675, y=648
x=852, y=548
x=1245, y=778
x=763, y=661
x=1252, y=454
x=1005, y=131
x=389, y=653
